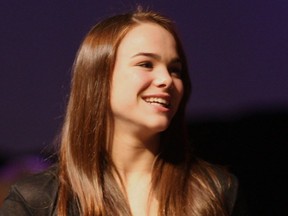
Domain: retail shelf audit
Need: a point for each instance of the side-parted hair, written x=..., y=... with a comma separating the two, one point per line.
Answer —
x=183, y=185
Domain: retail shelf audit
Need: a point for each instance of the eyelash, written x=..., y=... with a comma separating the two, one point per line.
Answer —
x=146, y=64
x=175, y=70
x=172, y=70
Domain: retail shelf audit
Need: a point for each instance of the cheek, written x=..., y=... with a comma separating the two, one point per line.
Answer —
x=140, y=80
x=127, y=86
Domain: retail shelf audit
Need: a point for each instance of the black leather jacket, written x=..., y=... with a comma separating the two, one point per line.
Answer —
x=37, y=195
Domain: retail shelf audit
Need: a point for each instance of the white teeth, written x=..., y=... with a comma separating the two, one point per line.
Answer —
x=157, y=100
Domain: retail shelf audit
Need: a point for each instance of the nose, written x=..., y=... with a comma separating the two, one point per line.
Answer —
x=163, y=79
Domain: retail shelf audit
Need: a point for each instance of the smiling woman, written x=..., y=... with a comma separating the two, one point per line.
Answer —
x=124, y=150
x=143, y=82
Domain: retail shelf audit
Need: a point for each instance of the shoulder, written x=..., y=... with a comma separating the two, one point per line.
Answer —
x=229, y=185
x=35, y=193
x=39, y=189
x=220, y=180
x=219, y=174
x=234, y=197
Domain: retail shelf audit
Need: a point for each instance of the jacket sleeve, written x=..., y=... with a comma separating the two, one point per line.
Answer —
x=14, y=204
x=34, y=195
x=240, y=207
x=233, y=194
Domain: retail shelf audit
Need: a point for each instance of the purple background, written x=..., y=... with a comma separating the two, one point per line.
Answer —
x=237, y=52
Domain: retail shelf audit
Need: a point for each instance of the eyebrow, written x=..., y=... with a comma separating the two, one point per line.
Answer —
x=156, y=56
x=151, y=55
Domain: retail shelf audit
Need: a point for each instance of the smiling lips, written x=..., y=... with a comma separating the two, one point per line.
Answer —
x=165, y=102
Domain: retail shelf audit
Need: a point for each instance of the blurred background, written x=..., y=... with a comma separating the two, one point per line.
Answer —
x=237, y=53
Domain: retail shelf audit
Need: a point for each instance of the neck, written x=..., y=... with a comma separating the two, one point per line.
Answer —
x=133, y=156
x=134, y=159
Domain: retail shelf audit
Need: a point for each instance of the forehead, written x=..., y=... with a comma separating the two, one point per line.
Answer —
x=147, y=37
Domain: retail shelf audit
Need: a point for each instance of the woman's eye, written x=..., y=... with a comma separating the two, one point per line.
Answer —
x=146, y=64
x=175, y=71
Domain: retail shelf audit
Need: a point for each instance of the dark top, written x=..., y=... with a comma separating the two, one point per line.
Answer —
x=37, y=195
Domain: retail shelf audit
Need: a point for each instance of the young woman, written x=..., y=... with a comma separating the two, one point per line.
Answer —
x=124, y=149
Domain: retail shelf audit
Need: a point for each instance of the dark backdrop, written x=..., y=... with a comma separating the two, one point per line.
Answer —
x=237, y=52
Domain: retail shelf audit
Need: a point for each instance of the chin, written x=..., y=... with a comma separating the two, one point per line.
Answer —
x=160, y=126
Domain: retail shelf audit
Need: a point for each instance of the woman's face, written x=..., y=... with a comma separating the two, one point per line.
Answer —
x=146, y=83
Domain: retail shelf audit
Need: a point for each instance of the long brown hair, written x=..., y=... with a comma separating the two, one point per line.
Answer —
x=183, y=185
